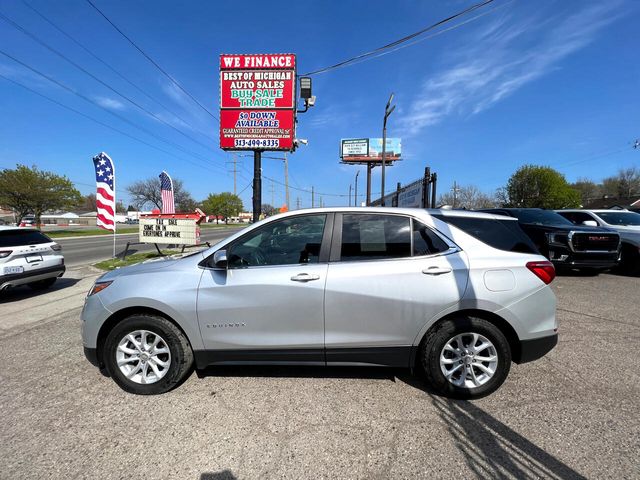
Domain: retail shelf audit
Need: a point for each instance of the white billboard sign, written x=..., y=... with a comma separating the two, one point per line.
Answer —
x=176, y=231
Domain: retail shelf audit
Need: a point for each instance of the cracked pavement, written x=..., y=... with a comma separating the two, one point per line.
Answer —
x=572, y=414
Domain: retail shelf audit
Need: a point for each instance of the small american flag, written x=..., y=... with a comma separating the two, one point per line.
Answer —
x=105, y=192
x=166, y=189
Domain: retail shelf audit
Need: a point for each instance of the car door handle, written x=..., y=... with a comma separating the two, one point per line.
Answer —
x=436, y=270
x=305, y=277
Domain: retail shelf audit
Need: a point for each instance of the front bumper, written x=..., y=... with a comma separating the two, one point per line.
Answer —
x=15, y=279
x=92, y=356
x=569, y=259
x=534, y=349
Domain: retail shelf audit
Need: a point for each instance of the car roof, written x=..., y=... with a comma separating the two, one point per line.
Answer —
x=596, y=210
x=13, y=227
x=399, y=210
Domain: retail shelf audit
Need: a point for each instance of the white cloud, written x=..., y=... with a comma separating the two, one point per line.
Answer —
x=502, y=58
x=109, y=103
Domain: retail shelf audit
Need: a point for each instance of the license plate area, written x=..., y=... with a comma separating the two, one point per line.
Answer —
x=10, y=270
x=33, y=258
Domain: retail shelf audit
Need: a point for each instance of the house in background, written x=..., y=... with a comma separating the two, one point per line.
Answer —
x=630, y=203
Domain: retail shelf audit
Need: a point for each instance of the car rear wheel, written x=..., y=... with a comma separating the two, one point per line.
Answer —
x=466, y=357
x=147, y=355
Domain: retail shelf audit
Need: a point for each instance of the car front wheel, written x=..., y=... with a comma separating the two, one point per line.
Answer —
x=466, y=357
x=147, y=355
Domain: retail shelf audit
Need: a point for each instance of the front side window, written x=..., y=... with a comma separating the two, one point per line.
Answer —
x=375, y=237
x=290, y=241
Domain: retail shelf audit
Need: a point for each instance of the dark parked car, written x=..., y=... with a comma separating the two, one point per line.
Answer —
x=565, y=244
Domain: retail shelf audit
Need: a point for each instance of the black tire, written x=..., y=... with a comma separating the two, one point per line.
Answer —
x=435, y=341
x=43, y=284
x=180, y=350
x=630, y=260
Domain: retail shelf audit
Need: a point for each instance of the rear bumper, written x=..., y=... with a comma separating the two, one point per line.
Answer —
x=15, y=279
x=534, y=349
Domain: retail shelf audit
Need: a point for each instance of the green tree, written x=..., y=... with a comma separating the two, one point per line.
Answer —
x=623, y=185
x=268, y=210
x=540, y=187
x=225, y=205
x=30, y=190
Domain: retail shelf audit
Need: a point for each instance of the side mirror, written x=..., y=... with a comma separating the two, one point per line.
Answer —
x=220, y=260
x=590, y=223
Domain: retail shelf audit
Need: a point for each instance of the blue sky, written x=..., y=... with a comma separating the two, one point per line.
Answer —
x=545, y=82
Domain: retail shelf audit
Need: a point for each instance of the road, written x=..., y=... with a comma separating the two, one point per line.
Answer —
x=86, y=250
x=572, y=414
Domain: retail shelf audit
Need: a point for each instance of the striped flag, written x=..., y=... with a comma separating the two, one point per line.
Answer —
x=105, y=192
x=166, y=189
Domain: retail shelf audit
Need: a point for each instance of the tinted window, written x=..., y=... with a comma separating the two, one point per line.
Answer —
x=540, y=217
x=16, y=238
x=294, y=240
x=374, y=237
x=620, y=218
x=425, y=240
x=500, y=234
x=577, y=217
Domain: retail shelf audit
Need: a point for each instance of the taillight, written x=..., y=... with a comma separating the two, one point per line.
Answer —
x=56, y=248
x=545, y=271
x=5, y=253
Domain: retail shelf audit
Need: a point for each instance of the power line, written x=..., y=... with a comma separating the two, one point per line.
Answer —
x=174, y=81
x=97, y=79
x=87, y=99
x=395, y=43
x=132, y=137
x=106, y=64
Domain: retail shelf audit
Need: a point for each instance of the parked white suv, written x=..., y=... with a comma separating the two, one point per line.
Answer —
x=28, y=257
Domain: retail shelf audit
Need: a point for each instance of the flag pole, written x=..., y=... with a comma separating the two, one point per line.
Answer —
x=115, y=207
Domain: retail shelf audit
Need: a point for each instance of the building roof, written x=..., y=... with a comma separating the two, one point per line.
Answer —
x=612, y=202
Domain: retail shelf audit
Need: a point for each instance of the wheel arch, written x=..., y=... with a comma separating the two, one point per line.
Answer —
x=503, y=325
x=120, y=315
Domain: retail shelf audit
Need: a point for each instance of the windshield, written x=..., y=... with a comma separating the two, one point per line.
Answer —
x=620, y=218
x=540, y=217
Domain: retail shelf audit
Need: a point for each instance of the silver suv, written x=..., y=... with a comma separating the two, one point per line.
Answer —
x=28, y=257
x=458, y=295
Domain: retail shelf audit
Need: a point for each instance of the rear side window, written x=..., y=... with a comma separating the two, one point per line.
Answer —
x=375, y=237
x=501, y=234
x=17, y=238
x=425, y=241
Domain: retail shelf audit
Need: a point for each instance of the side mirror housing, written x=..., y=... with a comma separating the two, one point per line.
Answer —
x=590, y=223
x=220, y=260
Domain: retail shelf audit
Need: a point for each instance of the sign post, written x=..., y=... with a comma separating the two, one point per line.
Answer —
x=257, y=108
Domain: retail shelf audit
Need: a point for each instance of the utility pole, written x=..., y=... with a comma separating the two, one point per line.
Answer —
x=369, y=168
x=321, y=202
x=455, y=190
x=273, y=198
x=355, y=196
x=434, y=183
x=257, y=184
x=387, y=111
x=297, y=203
x=312, y=198
x=235, y=172
x=286, y=181
x=349, y=194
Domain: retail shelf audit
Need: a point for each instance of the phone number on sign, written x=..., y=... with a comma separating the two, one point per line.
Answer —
x=256, y=142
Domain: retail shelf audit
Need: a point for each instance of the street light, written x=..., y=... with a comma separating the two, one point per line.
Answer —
x=355, y=195
x=387, y=111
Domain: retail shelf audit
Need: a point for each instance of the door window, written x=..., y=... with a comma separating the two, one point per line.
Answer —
x=375, y=237
x=290, y=241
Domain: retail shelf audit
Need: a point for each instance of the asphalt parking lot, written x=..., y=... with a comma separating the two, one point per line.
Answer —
x=573, y=414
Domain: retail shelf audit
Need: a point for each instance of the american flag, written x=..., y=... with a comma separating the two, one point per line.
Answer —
x=166, y=189
x=105, y=192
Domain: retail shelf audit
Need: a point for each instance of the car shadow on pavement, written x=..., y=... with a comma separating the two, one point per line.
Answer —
x=222, y=475
x=22, y=292
x=494, y=450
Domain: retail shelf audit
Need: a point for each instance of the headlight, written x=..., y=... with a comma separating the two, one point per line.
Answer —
x=98, y=287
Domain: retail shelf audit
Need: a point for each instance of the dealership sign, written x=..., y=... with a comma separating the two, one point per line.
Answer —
x=257, y=102
x=369, y=150
x=171, y=228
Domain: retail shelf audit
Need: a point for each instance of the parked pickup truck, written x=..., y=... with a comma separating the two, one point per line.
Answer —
x=567, y=245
